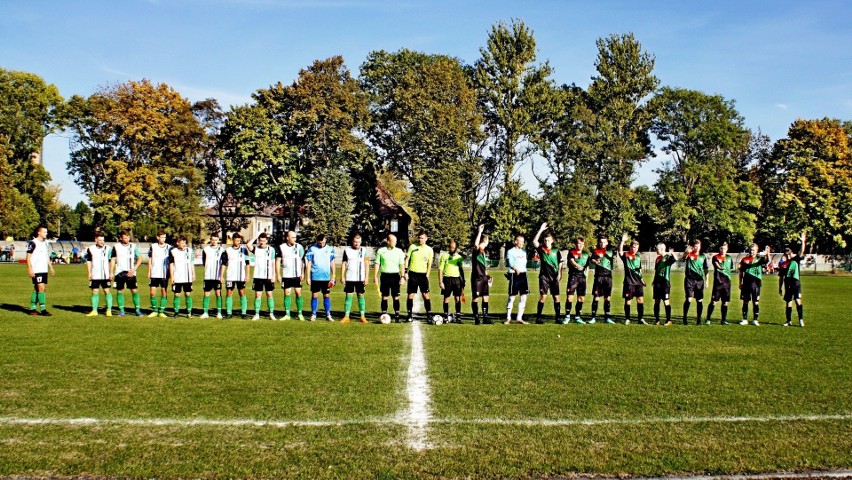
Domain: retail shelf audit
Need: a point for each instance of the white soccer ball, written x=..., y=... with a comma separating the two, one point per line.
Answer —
x=385, y=318
x=438, y=320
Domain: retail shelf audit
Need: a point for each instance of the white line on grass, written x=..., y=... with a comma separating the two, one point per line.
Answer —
x=407, y=419
x=416, y=417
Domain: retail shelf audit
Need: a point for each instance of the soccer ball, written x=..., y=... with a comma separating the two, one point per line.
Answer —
x=385, y=318
x=438, y=320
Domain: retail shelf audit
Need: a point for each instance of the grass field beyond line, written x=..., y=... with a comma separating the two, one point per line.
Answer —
x=208, y=398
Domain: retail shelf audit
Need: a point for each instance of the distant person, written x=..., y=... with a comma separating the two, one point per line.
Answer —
x=211, y=258
x=662, y=283
x=292, y=273
x=634, y=285
x=235, y=259
x=319, y=262
x=418, y=263
x=480, y=281
x=75, y=254
x=723, y=266
x=695, y=280
x=38, y=263
x=550, y=273
x=390, y=263
x=182, y=273
x=788, y=276
x=516, y=263
x=158, y=275
x=126, y=261
x=603, y=258
x=99, y=273
x=751, y=278
x=578, y=261
x=353, y=271
x=451, y=280
x=265, y=274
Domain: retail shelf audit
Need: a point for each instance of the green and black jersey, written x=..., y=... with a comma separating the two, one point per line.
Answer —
x=663, y=268
x=752, y=267
x=581, y=258
x=697, y=265
x=632, y=269
x=478, y=270
x=550, y=258
x=605, y=259
x=791, y=268
x=723, y=268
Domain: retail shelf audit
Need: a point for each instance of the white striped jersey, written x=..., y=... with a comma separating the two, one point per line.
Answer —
x=98, y=258
x=356, y=268
x=125, y=256
x=158, y=260
x=39, y=255
x=236, y=260
x=264, y=263
x=211, y=257
x=293, y=260
x=184, y=265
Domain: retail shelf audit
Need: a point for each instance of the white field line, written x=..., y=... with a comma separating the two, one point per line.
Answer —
x=762, y=476
x=405, y=421
x=416, y=416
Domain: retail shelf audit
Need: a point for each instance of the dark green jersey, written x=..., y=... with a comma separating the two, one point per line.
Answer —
x=724, y=267
x=479, y=264
x=663, y=267
x=550, y=260
x=632, y=269
x=753, y=266
x=697, y=266
x=791, y=268
x=604, y=258
x=581, y=258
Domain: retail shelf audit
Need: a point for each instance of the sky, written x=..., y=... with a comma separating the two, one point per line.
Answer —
x=779, y=60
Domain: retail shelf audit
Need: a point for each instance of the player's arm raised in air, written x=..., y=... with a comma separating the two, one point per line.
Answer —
x=803, y=237
x=538, y=235
x=621, y=245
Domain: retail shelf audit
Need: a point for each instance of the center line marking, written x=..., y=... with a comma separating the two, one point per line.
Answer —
x=417, y=415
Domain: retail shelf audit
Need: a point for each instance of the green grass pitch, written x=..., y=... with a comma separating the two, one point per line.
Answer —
x=116, y=397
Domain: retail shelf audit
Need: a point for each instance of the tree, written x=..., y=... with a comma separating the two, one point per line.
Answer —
x=18, y=216
x=329, y=206
x=510, y=213
x=808, y=181
x=705, y=191
x=135, y=151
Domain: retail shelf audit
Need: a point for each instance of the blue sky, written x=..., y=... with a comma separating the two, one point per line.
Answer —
x=780, y=60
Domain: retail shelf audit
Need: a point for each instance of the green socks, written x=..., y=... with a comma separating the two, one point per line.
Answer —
x=257, y=306
x=136, y=302
x=163, y=302
x=109, y=301
x=347, y=305
x=229, y=305
x=42, y=303
x=287, y=304
x=176, y=303
x=219, y=304
x=243, y=304
x=189, y=305
x=205, y=304
x=155, y=301
x=96, y=300
x=362, y=304
x=33, y=300
x=120, y=297
x=299, y=303
x=270, y=304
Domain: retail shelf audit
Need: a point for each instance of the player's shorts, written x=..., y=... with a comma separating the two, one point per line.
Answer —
x=261, y=284
x=96, y=284
x=576, y=285
x=518, y=284
x=662, y=289
x=694, y=288
x=548, y=286
x=212, y=285
x=235, y=285
x=792, y=289
x=292, y=282
x=389, y=284
x=633, y=291
x=122, y=281
x=721, y=291
x=452, y=287
x=417, y=281
x=354, y=287
x=159, y=283
x=602, y=286
x=182, y=287
x=479, y=287
x=318, y=286
x=40, y=279
x=751, y=289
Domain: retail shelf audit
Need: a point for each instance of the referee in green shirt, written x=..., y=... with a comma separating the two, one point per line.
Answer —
x=390, y=262
x=419, y=263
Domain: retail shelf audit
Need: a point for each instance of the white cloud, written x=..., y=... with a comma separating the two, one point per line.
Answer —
x=782, y=106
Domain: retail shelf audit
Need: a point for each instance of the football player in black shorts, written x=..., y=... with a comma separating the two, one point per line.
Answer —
x=578, y=261
x=751, y=279
x=451, y=280
x=480, y=281
x=662, y=282
x=723, y=265
x=602, y=260
x=788, y=277
x=634, y=285
x=550, y=273
x=697, y=273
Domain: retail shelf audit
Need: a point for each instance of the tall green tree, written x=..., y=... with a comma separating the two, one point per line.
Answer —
x=329, y=206
x=808, y=184
x=705, y=190
x=135, y=153
x=18, y=215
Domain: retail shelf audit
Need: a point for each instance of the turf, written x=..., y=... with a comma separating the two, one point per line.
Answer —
x=634, y=381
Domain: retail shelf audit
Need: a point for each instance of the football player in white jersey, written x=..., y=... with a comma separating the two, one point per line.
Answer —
x=182, y=273
x=235, y=260
x=38, y=262
x=265, y=274
x=158, y=274
x=124, y=264
x=353, y=270
x=211, y=257
x=99, y=273
x=292, y=273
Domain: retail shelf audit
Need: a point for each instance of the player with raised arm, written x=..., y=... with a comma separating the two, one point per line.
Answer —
x=353, y=271
x=751, y=278
x=390, y=263
x=99, y=273
x=578, y=261
x=319, y=262
x=211, y=258
x=182, y=273
x=603, y=258
x=480, y=281
x=292, y=273
x=723, y=267
x=634, y=285
x=158, y=274
x=124, y=264
x=788, y=277
x=418, y=262
x=550, y=273
x=38, y=263
x=516, y=262
x=451, y=280
x=697, y=273
x=662, y=282
x=265, y=274
x=235, y=259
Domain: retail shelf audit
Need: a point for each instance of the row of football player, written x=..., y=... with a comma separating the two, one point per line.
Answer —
x=393, y=268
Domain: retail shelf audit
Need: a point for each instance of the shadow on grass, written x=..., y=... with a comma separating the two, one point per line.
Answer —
x=73, y=308
x=11, y=307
